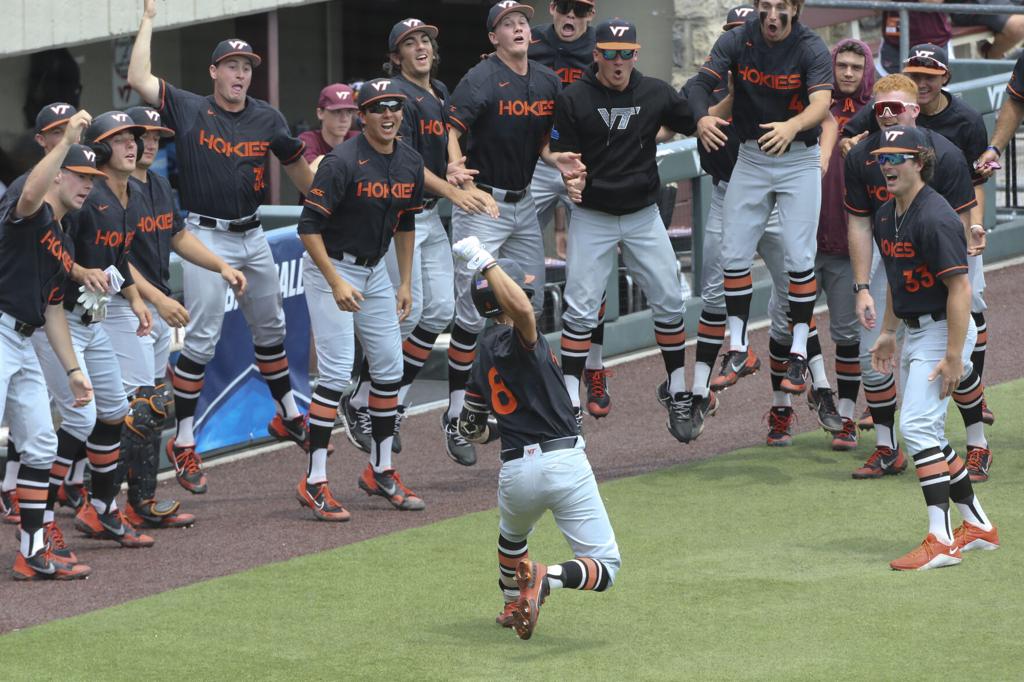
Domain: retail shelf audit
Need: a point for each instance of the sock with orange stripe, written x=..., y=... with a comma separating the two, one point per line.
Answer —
x=933, y=474
x=710, y=336
x=579, y=574
x=595, y=356
x=383, y=407
x=671, y=338
x=273, y=364
x=575, y=347
x=968, y=396
x=32, y=491
x=103, y=448
x=815, y=360
x=961, y=491
x=881, y=399
x=739, y=290
x=187, y=380
x=510, y=552
x=980, y=344
x=848, y=377
x=68, y=448
x=461, y=352
x=803, y=292
x=323, y=411
x=415, y=352
x=778, y=360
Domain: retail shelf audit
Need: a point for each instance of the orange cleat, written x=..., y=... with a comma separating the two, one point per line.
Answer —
x=978, y=462
x=188, y=467
x=46, y=566
x=533, y=590
x=968, y=537
x=318, y=497
x=882, y=462
x=507, y=617
x=929, y=554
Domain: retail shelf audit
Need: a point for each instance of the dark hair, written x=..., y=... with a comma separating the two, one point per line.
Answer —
x=927, y=159
x=853, y=47
x=391, y=69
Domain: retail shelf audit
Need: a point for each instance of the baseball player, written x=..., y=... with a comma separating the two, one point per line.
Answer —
x=782, y=83
x=222, y=143
x=364, y=191
x=143, y=359
x=504, y=106
x=956, y=121
x=566, y=46
x=412, y=63
x=719, y=164
x=35, y=260
x=544, y=465
x=611, y=117
x=895, y=104
x=924, y=252
x=854, y=80
x=102, y=234
x=335, y=109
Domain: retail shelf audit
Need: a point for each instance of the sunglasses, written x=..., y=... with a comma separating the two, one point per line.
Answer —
x=577, y=9
x=883, y=109
x=927, y=62
x=611, y=54
x=380, y=107
x=893, y=159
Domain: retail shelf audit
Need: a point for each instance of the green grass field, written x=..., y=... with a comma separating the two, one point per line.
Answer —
x=765, y=563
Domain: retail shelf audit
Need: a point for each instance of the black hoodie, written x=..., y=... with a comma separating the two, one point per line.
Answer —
x=616, y=132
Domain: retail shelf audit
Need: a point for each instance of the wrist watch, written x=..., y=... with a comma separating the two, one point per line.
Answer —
x=858, y=287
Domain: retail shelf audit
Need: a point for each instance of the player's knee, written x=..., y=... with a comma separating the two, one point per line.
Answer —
x=611, y=564
x=919, y=433
x=79, y=422
x=199, y=351
x=713, y=301
x=40, y=451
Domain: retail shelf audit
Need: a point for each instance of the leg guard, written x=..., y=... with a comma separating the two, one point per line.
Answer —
x=140, y=444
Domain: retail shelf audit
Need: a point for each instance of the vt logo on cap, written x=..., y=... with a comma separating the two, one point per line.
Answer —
x=239, y=44
x=89, y=154
x=380, y=85
x=618, y=31
x=153, y=116
x=892, y=135
x=61, y=109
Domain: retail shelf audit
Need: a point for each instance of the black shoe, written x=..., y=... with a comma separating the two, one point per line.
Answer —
x=680, y=417
x=703, y=407
x=822, y=402
x=663, y=395
x=795, y=381
x=457, y=447
x=357, y=424
x=396, y=440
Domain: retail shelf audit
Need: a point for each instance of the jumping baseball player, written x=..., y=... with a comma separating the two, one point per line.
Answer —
x=222, y=143
x=365, y=191
x=956, y=121
x=854, y=80
x=102, y=234
x=544, y=465
x=35, y=260
x=566, y=46
x=895, y=104
x=611, y=117
x=719, y=164
x=782, y=83
x=412, y=63
x=143, y=359
x=924, y=252
x=505, y=106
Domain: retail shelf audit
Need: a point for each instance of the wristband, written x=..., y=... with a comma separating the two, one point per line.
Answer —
x=73, y=370
x=978, y=225
x=994, y=149
x=490, y=264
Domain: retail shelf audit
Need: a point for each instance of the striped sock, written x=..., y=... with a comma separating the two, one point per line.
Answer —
x=671, y=338
x=323, y=412
x=778, y=360
x=848, y=377
x=383, y=407
x=32, y=492
x=273, y=365
x=595, y=356
x=579, y=574
x=510, y=553
x=103, y=448
x=815, y=360
x=803, y=292
x=710, y=337
x=461, y=353
x=881, y=399
x=933, y=475
x=575, y=347
x=968, y=396
x=980, y=344
x=961, y=491
x=415, y=352
x=187, y=381
x=67, y=448
x=739, y=290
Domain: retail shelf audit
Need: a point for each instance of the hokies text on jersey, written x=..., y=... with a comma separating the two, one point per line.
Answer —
x=250, y=148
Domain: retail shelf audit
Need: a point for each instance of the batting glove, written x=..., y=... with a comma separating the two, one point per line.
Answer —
x=116, y=279
x=472, y=253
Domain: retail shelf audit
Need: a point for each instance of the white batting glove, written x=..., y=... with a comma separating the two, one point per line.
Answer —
x=472, y=253
x=116, y=279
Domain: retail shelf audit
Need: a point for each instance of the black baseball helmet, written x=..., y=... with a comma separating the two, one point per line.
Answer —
x=105, y=126
x=483, y=296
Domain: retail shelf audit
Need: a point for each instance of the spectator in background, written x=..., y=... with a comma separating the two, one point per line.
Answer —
x=336, y=108
x=1008, y=28
x=925, y=27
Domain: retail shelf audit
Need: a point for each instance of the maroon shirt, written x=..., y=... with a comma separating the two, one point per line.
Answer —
x=316, y=145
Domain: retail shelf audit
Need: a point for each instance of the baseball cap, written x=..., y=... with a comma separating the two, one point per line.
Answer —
x=616, y=34
x=53, y=115
x=81, y=159
x=336, y=96
x=149, y=118
x=737, y=16
x=927, y=58
x=505, y=7
x=110, y=123
x=234, y=47
x=402, y=29
x=378, y=89
x=902, y=140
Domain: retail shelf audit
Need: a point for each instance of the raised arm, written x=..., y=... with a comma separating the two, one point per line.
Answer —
x=140, y=69
x=41, y=179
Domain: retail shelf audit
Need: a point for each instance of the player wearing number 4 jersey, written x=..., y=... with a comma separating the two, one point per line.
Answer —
x=924, y=252
x=222, y=143
x=544, y=465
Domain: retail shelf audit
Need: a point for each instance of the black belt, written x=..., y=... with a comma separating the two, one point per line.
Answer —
x=915, y=322
x=546, y=446
x=17, y=325
x=243, y=226
x=359, y=260
x=430, y=203
x=511, y=197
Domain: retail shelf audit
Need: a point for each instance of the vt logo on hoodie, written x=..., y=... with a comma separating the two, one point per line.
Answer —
x=618, y=114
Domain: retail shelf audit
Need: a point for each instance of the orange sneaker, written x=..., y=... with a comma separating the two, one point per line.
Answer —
x=882, y=462
x=979, y=460
x=10, y=512
x=58, y=547
x=46, y=566
x=533, y=590
x=388, y=484
x=188, y=467
x=110, y=526
x=929, y=554
x=968, y=537
x=507, y=617
x=318, y=497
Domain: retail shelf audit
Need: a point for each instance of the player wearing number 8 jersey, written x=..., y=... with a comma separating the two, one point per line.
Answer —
x=544, y=465
x=223, y=141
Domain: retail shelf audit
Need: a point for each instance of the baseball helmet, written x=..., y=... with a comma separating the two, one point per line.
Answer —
x=483, y=296
x=150, y=120
x=105, y=126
